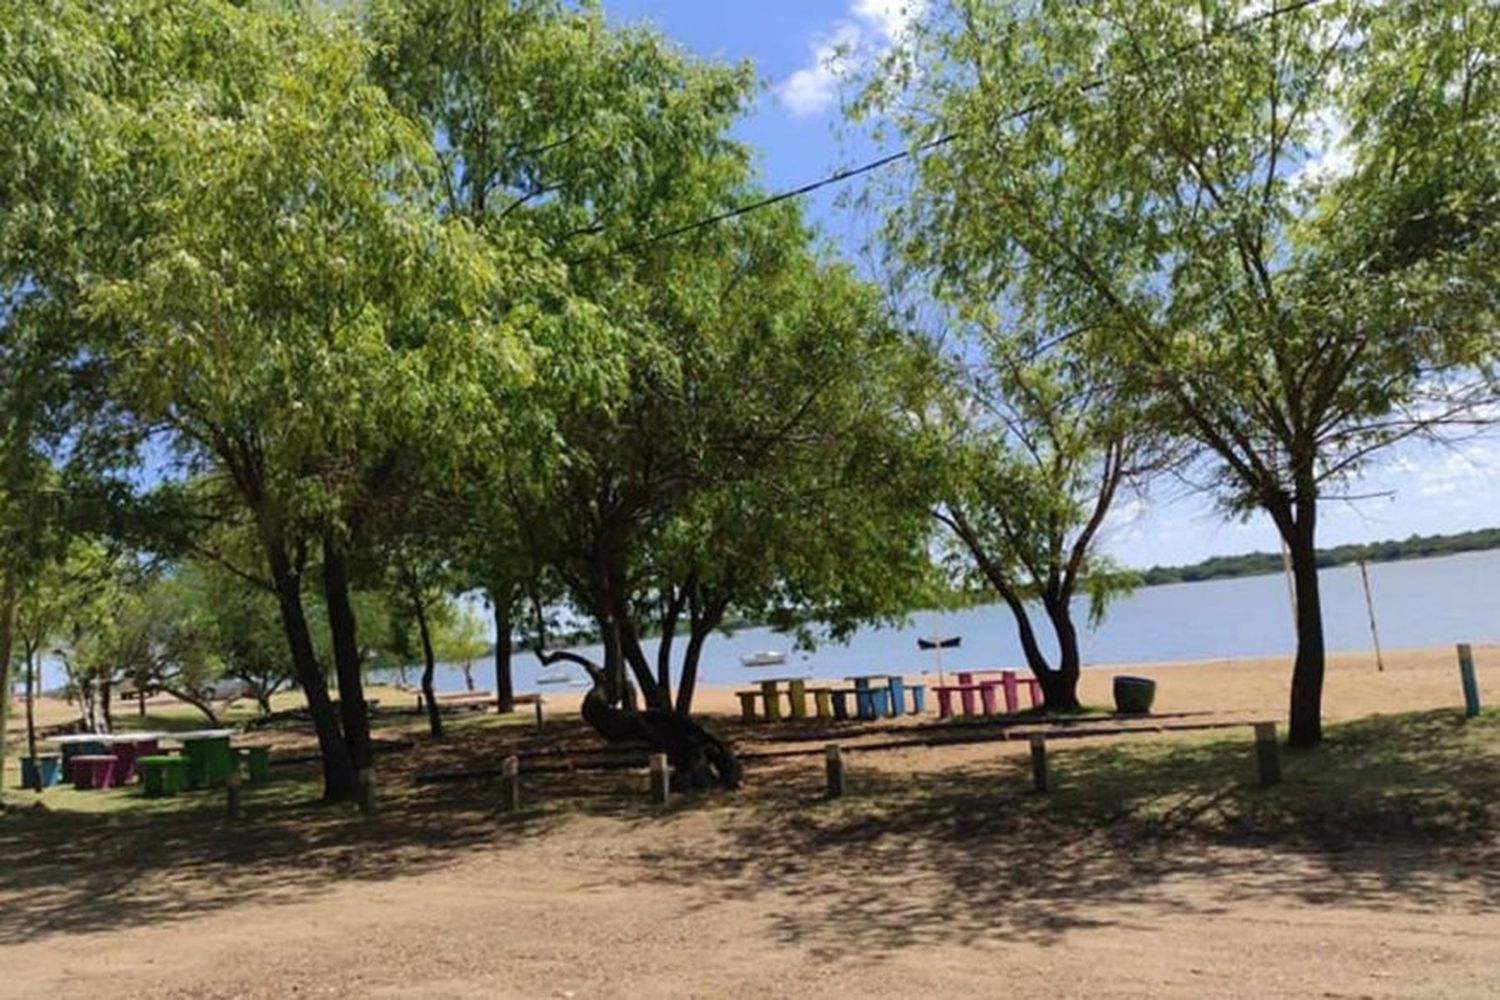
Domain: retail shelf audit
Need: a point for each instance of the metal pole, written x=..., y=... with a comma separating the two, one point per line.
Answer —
x=1364, y=575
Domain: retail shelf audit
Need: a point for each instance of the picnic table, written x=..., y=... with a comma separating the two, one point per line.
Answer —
x=796, y=689
x=1007, y=681
x=128, y=749
x=209, y=757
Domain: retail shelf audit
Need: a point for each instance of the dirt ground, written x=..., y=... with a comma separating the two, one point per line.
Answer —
x=741, y=896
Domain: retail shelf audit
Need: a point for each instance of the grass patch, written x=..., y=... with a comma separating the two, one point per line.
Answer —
x=1426, y=775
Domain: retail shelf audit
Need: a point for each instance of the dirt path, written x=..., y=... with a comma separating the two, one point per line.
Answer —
x=702, y=905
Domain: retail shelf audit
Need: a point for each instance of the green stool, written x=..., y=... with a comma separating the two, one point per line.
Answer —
x=162, y=775
x=256, y=762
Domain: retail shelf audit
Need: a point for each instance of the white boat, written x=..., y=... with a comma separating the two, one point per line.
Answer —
x=765, y=658
x=557, y=676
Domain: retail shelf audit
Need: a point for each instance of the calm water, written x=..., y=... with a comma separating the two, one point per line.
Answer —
x=1420, y=602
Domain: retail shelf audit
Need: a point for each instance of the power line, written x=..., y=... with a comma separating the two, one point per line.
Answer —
x=843, y=175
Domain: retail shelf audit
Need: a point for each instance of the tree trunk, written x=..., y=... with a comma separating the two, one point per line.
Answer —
x=1306, y=728
x=429, y=667
x=1035, y=658
x=1060, y=686
x=347, y=666
x=106, y=704
x=36, y=772
x=7, y=643
x=505, y=688
x=468, y=669
x=690, y=657
x=338, y=774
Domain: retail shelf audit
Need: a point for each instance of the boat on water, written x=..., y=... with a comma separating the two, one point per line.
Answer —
x=765, y=658
x=555, y=677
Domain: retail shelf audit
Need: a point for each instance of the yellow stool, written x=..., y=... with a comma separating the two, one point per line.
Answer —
x=823, y=698
x=747, y=704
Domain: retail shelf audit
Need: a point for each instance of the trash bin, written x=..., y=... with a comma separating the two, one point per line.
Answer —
x=1134, y=695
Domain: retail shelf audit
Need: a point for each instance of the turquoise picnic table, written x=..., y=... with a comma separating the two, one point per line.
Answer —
x=873, y=700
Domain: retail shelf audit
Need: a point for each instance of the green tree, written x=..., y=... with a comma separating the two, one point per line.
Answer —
x=1042, y=443
x=293, y=312
x=1152, y=173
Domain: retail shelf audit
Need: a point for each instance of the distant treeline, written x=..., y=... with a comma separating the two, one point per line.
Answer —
x=1256, y=563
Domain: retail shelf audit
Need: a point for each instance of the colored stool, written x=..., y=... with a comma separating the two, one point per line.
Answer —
x=880, y=702
x=823, y=700
x=162, y=775
x=256, y=762
x=796, y=696
x=747, y=704
x=44, y=768
x=94, y=770
x=840, y=704
x=864, y=703
x=918, y=698
x=898, y=696
x=945, y=702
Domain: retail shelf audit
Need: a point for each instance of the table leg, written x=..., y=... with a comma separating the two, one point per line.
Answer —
x=1008, y=680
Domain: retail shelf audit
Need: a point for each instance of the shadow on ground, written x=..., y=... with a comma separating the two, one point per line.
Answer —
x=1397, y=811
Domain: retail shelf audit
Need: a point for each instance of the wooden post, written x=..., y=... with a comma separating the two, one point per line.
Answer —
x=1364, y=574
x=660, y=779
x=1039, y=762
x=364, y=780
x=835, y=766
x=1470, y=680
x=1267, y=754
x=510, y=784
x=232, y=794
x=539, y=714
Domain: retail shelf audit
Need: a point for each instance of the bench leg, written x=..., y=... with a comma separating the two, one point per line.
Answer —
x=1012, y=703
x=945, y=704
x=966, y=699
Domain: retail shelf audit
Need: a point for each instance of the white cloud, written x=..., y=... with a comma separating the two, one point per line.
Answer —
x=1332, y=153
x=871, y=28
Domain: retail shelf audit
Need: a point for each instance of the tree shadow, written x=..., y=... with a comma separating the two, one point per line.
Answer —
x=1390, y=812
x=1395, y=811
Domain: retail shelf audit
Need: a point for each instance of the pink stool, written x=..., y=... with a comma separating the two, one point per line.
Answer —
x=965, y=679
x=95, y=770
x=945, y=702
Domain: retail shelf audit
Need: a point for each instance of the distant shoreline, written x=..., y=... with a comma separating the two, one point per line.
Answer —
x=1267, y=563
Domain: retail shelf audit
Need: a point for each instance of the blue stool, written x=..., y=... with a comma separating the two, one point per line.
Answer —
x=918, y=699
x=864, y=705
x=880, y=702
x=841, y=704
x=898, y=696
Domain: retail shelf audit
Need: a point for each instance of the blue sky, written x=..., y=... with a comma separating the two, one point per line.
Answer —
x=794, y=126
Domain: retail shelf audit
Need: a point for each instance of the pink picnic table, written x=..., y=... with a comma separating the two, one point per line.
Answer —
x=1009, y=683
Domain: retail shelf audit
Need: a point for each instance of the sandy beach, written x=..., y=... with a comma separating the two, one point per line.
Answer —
x=437, y=898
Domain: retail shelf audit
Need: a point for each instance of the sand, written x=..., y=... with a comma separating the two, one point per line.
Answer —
x=714, y=903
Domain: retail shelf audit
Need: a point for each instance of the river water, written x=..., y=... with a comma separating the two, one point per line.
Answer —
x=1418, y=602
